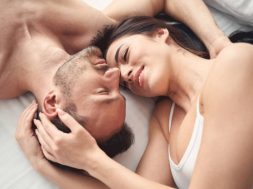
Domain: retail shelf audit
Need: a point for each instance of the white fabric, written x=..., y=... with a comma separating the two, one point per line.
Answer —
x=241, y=10
x=15, y=170
x=182, y=172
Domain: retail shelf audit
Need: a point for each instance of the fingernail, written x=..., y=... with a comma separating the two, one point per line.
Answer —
x=36, y=132
x=60, y=111
x=40, y=115
x=35, y=121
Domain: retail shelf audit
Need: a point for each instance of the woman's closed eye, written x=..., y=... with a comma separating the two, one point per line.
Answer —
x=125, y=55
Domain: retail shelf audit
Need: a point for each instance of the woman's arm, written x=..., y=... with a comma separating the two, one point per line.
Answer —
x=154, y=164
x=225, y=159
x=31, y=147
x=193, y=13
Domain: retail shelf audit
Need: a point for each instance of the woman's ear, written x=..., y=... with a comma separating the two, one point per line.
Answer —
x=162, y=34
x=49, y=105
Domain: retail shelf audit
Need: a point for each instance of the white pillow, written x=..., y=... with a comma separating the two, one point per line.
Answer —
x=242, y=10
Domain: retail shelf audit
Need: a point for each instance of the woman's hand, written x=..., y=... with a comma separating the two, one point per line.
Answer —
x=27, y=139
x=76, y=149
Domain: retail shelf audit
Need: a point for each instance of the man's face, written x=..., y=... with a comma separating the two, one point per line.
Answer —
x=97, y=98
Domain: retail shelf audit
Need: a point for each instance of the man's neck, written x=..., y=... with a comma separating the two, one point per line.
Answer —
x=32, y=67
x=40, y=82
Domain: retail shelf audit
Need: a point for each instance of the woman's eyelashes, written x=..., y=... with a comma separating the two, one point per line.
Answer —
x=125, y=55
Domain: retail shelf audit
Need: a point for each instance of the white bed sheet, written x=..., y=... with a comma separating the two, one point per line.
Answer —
x=15, y=170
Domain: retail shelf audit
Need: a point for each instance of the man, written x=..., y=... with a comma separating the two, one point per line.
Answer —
x=34, y=58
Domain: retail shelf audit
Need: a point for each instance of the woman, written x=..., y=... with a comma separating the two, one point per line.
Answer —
x=208, y=138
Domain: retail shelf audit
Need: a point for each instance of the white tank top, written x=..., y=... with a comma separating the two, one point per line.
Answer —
x=182, y=172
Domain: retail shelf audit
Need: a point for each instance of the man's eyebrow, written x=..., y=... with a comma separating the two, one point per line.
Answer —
x=117, y=54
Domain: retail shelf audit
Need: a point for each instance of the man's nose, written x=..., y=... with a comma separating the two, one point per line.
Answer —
x=112, y=76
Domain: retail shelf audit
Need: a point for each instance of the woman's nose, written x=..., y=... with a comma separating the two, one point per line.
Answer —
x=126, y=73
x=112, y=76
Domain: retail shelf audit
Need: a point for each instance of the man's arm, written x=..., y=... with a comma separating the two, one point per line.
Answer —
x=121, y=9
x=72, y=23
x=194, y=13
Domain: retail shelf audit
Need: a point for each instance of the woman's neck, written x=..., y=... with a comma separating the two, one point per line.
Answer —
x=189, y=73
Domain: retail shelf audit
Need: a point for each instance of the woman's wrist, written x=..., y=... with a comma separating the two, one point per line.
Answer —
x=43, y=167
x=93, y=161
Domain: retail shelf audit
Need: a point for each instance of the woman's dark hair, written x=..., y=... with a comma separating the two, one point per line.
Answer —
x=180, y=33
x=147, y=25
x=242, y=36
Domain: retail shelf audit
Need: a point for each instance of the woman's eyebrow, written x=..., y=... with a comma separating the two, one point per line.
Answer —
x=117, y=54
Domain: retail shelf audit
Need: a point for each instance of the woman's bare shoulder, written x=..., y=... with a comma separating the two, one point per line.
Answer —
x=232, y=69
x=236, y=53
x=234, y=59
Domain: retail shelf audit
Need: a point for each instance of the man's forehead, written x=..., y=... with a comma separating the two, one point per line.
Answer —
x=92, y=52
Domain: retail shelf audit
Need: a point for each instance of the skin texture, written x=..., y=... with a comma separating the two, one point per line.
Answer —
x=219, y=131
x=138, y=66
x=94, y=87
x=67, y=28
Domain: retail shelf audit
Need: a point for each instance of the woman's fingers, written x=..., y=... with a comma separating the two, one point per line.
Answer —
x=49, y=127
x=25, y=119
x=29, y=112
x=68, y=120
x=44, y=146
x=47, y=154
x=44, y=139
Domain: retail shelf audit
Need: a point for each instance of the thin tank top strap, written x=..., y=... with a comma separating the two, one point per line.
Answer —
x=171, y=115
x=198, y=107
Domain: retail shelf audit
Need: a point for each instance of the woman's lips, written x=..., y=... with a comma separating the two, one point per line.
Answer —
x=141, y=79
x=139, y=76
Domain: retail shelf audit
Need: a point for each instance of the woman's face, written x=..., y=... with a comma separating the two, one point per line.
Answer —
x=143, y=62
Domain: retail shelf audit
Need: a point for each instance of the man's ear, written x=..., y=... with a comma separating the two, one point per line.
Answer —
x=162, y=34
x=49, y=105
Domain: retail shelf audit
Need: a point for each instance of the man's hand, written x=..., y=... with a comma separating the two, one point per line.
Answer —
x=217, y=45
x=75, y=149
x=27, y=139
